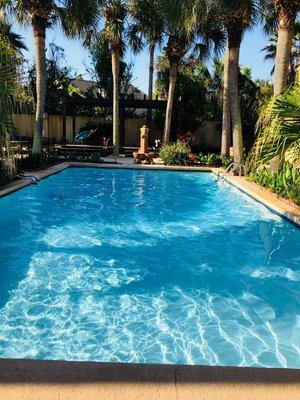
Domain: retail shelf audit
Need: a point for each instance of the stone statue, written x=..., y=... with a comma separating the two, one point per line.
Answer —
x=143, y=152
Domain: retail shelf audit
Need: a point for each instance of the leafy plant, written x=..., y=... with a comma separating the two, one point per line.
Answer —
x=175, y=153
x=278, y=131
x=210, y=159
x=285, y=182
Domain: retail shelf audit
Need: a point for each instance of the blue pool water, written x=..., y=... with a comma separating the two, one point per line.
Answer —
x=147, y=266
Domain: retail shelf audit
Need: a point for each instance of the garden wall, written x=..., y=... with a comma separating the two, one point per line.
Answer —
x=208, y=136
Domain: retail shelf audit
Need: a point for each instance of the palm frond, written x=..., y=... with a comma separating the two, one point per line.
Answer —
x=278, y=130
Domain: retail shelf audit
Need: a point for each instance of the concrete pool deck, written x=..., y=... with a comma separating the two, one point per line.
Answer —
x=47, y=380
x=67, y=380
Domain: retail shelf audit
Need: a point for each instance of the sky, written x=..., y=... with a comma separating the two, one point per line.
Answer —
x=77, y=57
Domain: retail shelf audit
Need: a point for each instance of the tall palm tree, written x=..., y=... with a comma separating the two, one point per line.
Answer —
x=147, y=22
x=271, y=48
x=287, y=11
x=40, y=15
x=188, y=26
x=236, y=16
x=226, y=125
x=115, y=12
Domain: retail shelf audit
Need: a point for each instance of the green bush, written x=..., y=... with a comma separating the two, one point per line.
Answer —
x=210, y=159
x=285, y=182
x=175, y=153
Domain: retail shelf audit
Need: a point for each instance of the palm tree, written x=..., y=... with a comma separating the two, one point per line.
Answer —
x=147, y=22
x=40, y=15
x=236, y=16
x=184, y=29
x=271, y=48
x=225, y=143
x=7, y=34
x=286, y=13
x=115, y=12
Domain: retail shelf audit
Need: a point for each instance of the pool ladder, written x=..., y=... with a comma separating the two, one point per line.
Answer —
x=233, y=167
x=34, y=179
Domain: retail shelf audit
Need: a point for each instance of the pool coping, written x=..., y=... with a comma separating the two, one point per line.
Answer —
x=66, y=380
x=276, y=204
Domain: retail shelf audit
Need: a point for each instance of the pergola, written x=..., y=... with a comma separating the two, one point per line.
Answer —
x=71, y=103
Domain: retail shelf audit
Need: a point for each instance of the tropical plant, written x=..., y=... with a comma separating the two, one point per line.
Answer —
x=75, y=15
x=286, y=13
x=278, y=129
x=175, y=153
x=271, y=48
x=236, y=16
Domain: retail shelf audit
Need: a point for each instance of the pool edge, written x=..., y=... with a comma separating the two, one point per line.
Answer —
x=33, y=379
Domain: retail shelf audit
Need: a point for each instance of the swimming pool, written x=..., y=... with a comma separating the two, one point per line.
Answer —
x=147, y=267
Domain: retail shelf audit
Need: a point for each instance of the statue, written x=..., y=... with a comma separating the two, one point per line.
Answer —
x=143, y=152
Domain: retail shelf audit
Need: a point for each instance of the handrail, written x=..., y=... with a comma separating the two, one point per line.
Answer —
x=34, y=179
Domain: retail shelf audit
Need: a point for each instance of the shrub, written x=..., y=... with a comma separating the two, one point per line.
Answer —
x=175, y=154
x=36, y=161
x=210, y=159
x=285, y=182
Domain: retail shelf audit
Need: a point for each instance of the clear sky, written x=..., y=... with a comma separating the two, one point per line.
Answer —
x=77, y=57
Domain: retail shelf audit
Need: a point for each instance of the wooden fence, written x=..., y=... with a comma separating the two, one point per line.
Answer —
x=208, y=135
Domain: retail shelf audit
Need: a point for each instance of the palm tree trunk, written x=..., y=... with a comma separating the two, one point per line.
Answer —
x=283, y=51
x=115, y=62
x=225, y=146
x=150, y=88
x=39, y=32
x=234, y=39
x=151, y=70
x=297, y=70
x=170, y=102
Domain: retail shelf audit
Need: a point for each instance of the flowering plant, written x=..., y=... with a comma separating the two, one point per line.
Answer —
x=187, y=137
